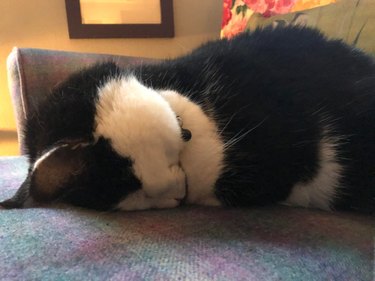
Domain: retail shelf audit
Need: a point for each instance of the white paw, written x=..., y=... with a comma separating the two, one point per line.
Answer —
x=140, y=201
x=166, y=203
x=170, y=184
x=177, y=185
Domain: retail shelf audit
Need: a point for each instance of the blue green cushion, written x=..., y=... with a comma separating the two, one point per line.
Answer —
x=188, y=243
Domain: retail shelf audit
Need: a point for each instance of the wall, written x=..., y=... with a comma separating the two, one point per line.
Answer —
x=42, y=24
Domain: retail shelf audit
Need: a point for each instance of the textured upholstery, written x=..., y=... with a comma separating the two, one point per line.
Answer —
x=189, y=243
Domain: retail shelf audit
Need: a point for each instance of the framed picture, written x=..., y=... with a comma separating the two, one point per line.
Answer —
x=119, y=18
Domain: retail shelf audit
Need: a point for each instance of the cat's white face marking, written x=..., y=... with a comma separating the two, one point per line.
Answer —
x=320, y=191
x=141, y=125
x=203, y=156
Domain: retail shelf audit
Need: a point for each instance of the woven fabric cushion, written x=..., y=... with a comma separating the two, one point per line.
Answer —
x=189, y=243
x=32, y=73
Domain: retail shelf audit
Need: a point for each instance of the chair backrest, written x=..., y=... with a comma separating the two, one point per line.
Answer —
x=32, y=73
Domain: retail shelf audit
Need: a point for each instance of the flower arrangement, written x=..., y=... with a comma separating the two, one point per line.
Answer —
x=237, y=13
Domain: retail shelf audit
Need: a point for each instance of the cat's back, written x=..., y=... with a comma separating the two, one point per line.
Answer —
x=273, y=62
x=283, y=52
x=309, y=105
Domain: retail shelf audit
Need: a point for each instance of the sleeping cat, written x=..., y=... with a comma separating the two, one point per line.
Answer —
x=281, y=115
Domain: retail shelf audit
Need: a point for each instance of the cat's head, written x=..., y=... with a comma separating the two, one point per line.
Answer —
x=103, y=140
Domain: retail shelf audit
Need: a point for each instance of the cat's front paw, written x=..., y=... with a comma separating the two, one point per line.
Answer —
x=171, y=184
x=168, y=193
x=177, y=186
x=138, y=200
x=166, y=203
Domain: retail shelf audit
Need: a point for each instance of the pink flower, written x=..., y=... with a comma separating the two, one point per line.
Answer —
x=227, y=13
x=237, y=25
x=270, y=7
x=283, y=6
x=258, y=6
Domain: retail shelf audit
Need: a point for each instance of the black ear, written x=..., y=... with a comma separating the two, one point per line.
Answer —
x=54, y=170
x=50, y=175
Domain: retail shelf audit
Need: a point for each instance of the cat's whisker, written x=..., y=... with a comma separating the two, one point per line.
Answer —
x=228, y=122
x=231, y=118
x=235, y=139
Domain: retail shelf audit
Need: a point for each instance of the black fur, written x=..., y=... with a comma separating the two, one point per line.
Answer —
x=106, y=179
x=68, y=112
x=290, y=82
x=283, y=86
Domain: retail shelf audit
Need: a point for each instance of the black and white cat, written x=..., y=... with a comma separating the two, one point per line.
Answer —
x=276, y=116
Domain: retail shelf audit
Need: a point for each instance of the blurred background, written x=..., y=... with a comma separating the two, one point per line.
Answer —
x=43, y=24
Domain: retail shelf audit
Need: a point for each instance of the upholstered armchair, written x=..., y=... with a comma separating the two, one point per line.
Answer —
x=187, y=243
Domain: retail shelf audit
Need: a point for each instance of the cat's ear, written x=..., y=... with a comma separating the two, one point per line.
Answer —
x=50, y=174
x=55, y=169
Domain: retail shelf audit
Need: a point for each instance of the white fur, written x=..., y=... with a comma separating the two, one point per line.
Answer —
x=203, y=156
x=141, y=125
x=319, y=192
x=140, y=201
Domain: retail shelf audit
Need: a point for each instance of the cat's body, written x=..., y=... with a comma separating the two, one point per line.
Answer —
x=277, y=116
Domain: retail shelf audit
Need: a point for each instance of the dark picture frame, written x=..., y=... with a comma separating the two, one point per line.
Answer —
x=79, y=30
